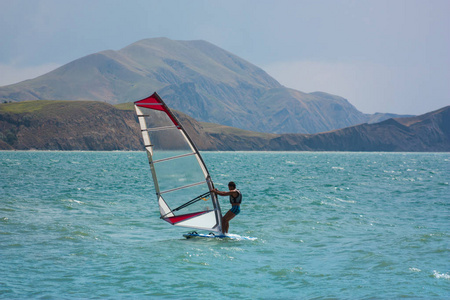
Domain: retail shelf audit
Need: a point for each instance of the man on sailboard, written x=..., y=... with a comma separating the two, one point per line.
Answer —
x=235, y=200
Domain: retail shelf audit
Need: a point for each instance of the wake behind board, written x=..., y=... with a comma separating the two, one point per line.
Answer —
x=219, y=236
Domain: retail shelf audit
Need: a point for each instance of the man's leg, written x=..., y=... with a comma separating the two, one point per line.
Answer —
x=226, y=221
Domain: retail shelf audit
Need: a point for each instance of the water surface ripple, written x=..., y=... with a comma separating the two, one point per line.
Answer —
x=328, y=225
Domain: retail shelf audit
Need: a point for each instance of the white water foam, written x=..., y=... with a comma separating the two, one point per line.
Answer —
x=438, y=275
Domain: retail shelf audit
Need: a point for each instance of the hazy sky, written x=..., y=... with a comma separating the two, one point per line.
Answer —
x=383, y=56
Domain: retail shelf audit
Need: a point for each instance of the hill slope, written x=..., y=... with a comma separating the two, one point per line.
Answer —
x=426, y=133
x=197, y=78
x=90, y=125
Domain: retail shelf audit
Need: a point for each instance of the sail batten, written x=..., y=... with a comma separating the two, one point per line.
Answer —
x=160, y=128
x=173, y=157
x=181, y=179
x=181, y=187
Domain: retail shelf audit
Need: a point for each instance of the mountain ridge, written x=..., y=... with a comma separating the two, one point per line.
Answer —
x=196, y=77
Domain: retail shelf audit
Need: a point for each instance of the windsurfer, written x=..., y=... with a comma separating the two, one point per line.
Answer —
x=235, y=200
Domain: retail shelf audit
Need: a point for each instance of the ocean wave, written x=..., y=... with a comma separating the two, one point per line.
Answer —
x=438, y=275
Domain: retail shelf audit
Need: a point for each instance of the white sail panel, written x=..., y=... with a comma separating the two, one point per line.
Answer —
x=204, y=221
x=163, y=208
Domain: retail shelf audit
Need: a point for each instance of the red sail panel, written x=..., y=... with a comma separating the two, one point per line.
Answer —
x=176, y=219
x=155, y=102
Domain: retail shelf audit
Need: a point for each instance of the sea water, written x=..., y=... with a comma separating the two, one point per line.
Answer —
x=328, y=225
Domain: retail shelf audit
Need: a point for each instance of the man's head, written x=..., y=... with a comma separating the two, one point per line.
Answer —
x=231, y=185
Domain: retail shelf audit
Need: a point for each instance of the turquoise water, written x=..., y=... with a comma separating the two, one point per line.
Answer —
x=328, y=225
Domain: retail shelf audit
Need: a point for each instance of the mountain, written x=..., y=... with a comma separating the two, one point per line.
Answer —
x=194, y=77
x=91, y=125
x=426, y=133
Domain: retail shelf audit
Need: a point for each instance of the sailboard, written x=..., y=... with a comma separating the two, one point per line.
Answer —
x=182, y=182
x=230, y=236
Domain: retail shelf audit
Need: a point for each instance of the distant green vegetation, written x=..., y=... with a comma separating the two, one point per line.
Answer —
x=39, y=105
x=26, y=106
x=222, y=129
x=46, y=106
x=125, y=106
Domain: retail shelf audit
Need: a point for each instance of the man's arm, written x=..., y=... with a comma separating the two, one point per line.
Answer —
x=234, y=193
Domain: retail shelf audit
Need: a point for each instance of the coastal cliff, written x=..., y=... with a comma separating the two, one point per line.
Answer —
x=93, y=125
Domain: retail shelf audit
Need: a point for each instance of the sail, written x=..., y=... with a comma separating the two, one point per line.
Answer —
x=182, y=181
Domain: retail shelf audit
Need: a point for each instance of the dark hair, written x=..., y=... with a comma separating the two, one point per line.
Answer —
x=232, y=184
